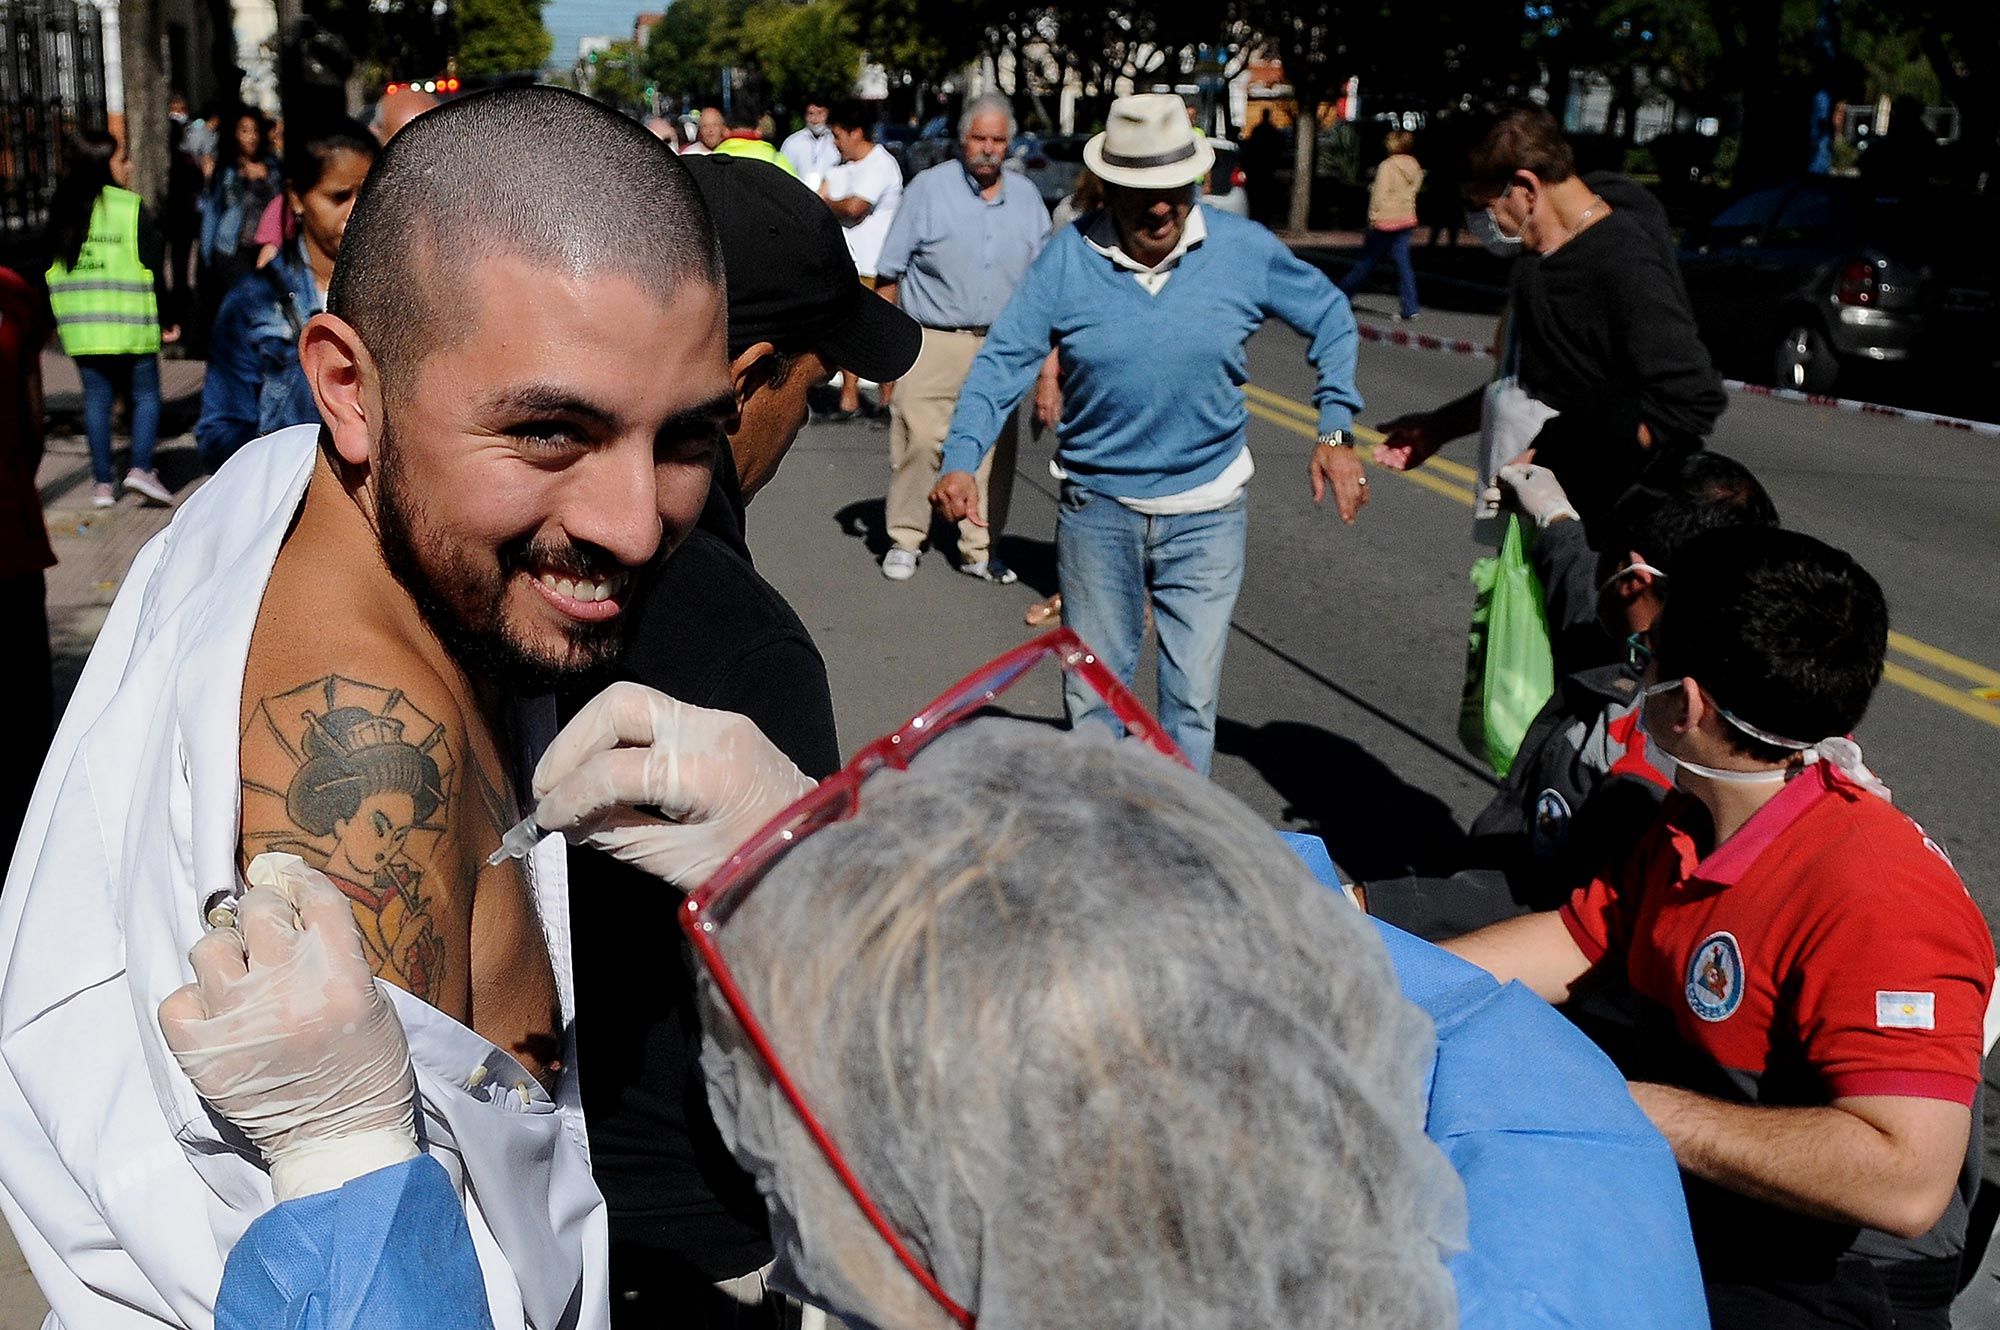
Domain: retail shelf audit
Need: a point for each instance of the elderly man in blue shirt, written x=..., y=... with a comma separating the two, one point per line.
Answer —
x=962, y=241
x=1148, y=305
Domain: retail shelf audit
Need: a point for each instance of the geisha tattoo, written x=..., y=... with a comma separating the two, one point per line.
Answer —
x=368, y=774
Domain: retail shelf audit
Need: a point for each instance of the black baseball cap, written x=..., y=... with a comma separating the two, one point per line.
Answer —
x=792, y=282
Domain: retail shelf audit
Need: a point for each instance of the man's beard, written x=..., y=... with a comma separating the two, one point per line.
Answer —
x=465, y=605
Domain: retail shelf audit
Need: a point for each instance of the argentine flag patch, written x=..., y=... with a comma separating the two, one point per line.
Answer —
x=1905, y=1011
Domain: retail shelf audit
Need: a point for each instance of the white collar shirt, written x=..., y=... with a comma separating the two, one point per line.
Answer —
x=1103, y=237
x=811, y=154
x=124, y=1192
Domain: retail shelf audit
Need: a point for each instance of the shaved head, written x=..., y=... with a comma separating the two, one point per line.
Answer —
x=540, y=174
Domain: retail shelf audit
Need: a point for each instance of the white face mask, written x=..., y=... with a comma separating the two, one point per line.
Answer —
x=1487, y=232
x=1638, y=566
x=1670, y=766
x=1839, y=752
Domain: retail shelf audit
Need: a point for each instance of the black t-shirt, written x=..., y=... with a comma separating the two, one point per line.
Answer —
x=715, y=633
x=1606, y=336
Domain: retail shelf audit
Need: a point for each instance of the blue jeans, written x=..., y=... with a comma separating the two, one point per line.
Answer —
x=1109, y=562
x=1396, y=244
x=103, y=376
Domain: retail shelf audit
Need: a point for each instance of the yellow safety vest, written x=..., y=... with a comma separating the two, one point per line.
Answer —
x=105, y=305
x=757, y=150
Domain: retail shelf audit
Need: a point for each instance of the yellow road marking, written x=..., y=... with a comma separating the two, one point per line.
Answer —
x=1970, y=671
x=1941, y=693
x=1435, y=484
x=1307, y=413
x=1977, y=702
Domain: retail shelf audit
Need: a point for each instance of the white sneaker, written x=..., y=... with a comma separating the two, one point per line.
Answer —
x=147, y=485
x=899, y=564
x=103, y=496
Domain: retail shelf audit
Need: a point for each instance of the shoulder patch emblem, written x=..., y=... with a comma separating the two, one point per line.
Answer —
x=1549, y=833
x=1905, y=1011
x=1715, y=978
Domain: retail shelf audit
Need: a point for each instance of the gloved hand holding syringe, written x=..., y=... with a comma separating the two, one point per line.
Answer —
x=667, y=787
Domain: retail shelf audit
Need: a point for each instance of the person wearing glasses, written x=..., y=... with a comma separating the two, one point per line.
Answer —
x=1809, y=975
x=1581, y=788
x=1036, y=1005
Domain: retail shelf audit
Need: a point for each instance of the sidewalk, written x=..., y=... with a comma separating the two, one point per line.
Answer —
x=94, y=546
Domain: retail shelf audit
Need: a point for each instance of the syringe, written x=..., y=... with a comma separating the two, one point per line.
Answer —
x=522, y=837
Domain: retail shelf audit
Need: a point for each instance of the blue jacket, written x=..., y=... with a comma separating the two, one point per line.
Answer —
x=1153, y=384
x=255, y=383
x=1576, y=1215
x=222, y=206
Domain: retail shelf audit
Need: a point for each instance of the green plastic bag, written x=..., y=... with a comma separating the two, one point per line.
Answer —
x=1510, y=672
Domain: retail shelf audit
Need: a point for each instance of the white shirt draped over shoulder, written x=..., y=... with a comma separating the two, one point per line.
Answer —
x=123, y=1191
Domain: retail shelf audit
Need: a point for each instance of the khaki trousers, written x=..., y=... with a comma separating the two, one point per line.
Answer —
x=919, y=416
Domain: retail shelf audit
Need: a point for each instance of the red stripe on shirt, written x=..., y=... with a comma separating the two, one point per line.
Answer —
x=1593, y=950
x=1905, y=1085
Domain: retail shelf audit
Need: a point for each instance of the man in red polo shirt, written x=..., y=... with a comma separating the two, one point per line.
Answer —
x=1808, y=974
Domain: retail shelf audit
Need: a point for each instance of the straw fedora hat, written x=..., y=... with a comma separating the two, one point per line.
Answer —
x=1147, y=143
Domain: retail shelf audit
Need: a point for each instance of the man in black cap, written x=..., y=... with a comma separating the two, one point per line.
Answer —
x=683, y=1217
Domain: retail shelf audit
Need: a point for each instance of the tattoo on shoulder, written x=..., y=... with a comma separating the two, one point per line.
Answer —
x=360, y=785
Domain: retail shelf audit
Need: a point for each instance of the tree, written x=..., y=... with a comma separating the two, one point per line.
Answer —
x=617, y=78
x=140, y=41
x=501, y=36
x=923, y=38
x=802, y=49
x=390, y=39
x=691, y=46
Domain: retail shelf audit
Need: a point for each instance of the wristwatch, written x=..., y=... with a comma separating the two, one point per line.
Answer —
x=1336, y=438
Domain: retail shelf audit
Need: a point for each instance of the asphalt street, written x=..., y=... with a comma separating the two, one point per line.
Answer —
x=1339, y=699
x=1340, y=690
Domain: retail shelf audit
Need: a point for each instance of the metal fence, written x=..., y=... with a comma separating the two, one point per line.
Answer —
x=51, y=82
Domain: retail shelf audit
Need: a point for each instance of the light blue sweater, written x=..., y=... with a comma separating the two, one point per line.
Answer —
x=1153, y=384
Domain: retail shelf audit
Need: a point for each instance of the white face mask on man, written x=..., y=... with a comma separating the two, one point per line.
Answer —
x=1838, y=751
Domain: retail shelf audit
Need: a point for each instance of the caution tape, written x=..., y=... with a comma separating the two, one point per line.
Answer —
x=1458, y=346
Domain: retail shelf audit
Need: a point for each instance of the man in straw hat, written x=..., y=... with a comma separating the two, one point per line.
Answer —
x=1148, y=304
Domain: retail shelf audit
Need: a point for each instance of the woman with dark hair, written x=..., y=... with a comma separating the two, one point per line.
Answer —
x=104, y=286
x=255, y=384
x=244, y=182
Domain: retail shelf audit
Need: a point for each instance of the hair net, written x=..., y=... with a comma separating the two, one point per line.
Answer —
x=1101, y=1048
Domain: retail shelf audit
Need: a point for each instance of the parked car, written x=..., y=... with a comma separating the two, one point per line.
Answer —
x=1051, y=163
x=1798, y=283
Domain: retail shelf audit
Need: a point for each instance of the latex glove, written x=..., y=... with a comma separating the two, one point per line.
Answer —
x=1536, y=492
x=956, y=495
x=669, y=788
x=286, y=1034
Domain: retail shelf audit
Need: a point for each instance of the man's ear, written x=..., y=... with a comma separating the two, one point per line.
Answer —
x=345, y=385
x=1640, y=580
x=1700, y=707
x=751, y=369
